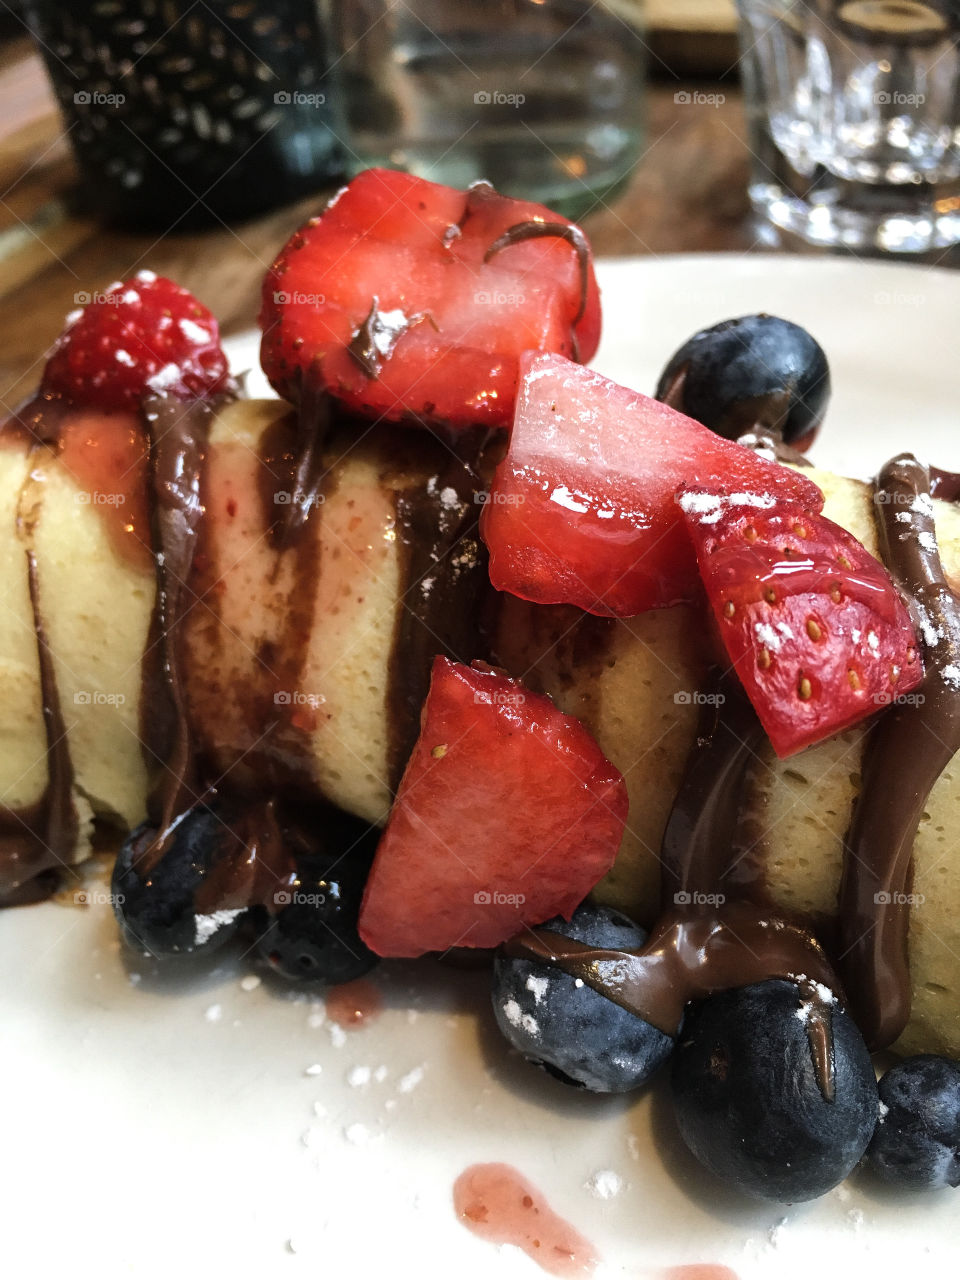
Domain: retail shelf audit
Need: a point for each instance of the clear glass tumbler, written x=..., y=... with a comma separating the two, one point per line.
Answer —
x=543, y=98
x=854, y=113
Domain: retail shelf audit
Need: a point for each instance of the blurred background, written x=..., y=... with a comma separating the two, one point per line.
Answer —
x=192, y=136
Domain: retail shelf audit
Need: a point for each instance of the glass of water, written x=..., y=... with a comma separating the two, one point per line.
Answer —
x=854, y=114
x=543, y=98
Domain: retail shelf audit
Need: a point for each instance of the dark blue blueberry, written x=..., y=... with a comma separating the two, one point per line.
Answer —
x=748, y=1099
x=574, y=1032
x=309, y=933
x=756, y=370
x=157, y=908
x=917, y=1139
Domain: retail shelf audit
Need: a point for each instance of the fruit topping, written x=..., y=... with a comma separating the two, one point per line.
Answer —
x=508, y=814
x=749, y=1101
x=582, y=509
x=145, y=334
x=309, y=931
x=570, y=1030
x=916, y=1144
x=812, y=623
x=755, y=372
x=155, y=900
x=413, y=301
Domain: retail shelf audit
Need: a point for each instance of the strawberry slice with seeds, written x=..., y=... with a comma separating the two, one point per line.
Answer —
x=815, y=628
x=413, y=302
x=141, y=335
x=508, y=814
x=582, y=509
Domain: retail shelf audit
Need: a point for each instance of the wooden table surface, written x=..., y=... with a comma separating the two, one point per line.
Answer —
x=687, y=193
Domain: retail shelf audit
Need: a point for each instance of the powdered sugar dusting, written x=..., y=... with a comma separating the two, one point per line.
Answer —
x=710, y=507
x=409, y=1082
x=537, y=986
x=166, y=377
x=517, y=1018
x=922, y=505
x=358, y=1134
x=604, y=1184
x=205, y=926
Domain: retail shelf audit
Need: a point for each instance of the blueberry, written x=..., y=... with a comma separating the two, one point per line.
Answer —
x=310, y=932
x=748, y=1100
x=574, y=1032
x=917, y=1139
x=156, y=909
x=753, y=371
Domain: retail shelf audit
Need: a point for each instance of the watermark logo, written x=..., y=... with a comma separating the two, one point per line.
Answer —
x=96, y=499
x=697, y=698
x=295, y=297
x=296, y=98
x=97, y=698
x=497, y=98
x=918, y=502
x=884, y=698
x=696, y=98
x=296, y=698
x=282, y=498
x=899, y=99
x=83, y=298
x=98, y=898
x=897, y=298
x=296, y=898
x=897, y=898
x=513, y=699
x=496, y=298
x=484, y=499
x=93, y=98
x=693, y=898
x=493, y=898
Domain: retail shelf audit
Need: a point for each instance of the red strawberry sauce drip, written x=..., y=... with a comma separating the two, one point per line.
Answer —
x=498, y=1204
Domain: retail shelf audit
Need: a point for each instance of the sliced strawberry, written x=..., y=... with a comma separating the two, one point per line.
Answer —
x=144, y=334
x=813, y=624
x=508, y=813
x=582, y=508
x=393, y=300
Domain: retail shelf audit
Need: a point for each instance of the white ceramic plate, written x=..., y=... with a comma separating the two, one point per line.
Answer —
x=162, y=1128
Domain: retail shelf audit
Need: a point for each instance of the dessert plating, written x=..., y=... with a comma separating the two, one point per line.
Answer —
x=291, y=643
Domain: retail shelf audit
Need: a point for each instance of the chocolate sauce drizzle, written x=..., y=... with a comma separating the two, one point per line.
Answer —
x=534, y=230
x=764, y=440
x=702, y=943
x=294, y=461
x=696, y=851
x=907, y=750
x=373, y=343
x=443, y=563
x=178, y=434
x=313, y=421
x=254, y=861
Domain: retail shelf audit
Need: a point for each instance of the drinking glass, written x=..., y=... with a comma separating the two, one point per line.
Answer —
x=854, y=120
x=543, y=98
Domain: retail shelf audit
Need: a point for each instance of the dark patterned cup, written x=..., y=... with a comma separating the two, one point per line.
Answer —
x=187, y=114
